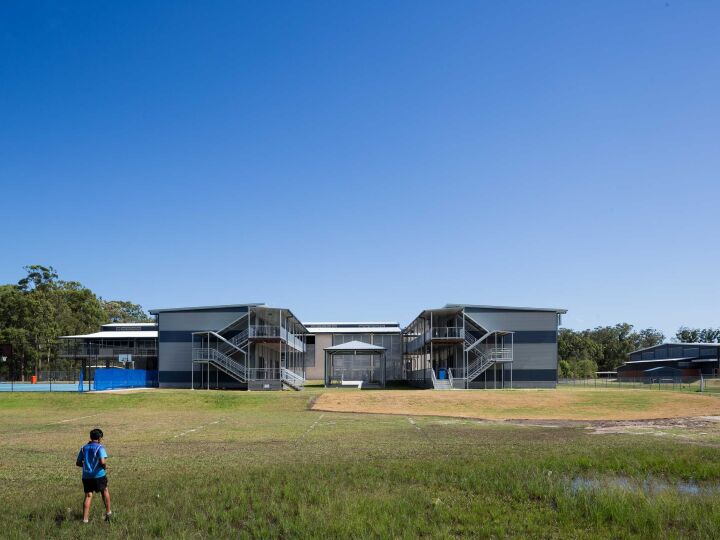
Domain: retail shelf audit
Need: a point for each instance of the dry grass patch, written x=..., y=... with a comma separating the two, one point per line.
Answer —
x=564, y=404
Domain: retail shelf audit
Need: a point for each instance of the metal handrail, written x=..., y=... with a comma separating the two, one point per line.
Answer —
x=448, y=332
x=291, y=374
x=107, y=352
x=239, y=338
x=264, y=330
x=259, y=330
x=230, y=345
x=486, y=359
x=267, y=374
x=472, y=344
x=230, y=366
x=292, y=377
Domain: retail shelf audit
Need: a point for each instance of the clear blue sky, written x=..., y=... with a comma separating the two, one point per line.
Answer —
x=366, y=160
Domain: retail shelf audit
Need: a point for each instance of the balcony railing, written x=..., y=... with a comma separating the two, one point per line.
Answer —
x=268, y=331
x=437, y=332
x=106, y=352
x=261, y=330
x=448, y=332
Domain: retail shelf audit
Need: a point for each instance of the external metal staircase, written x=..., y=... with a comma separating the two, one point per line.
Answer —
x=291, y=379
x=481, y=359
x=223, y=362
x=228, y=350
x=440, y=384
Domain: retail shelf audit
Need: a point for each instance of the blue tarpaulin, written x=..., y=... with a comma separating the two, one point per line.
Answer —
x=112, y=378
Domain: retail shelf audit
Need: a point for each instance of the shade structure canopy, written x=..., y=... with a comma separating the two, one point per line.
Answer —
x=355, y=361
x=355, y=345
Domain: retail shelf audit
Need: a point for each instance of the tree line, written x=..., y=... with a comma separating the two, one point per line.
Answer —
x=41, y=306
x=581, y=353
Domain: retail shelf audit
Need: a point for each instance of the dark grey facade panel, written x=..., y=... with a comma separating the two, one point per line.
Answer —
x=175, y=376
x=175, y=336
x=182, y=379
x=533, y=375
x=535, y=336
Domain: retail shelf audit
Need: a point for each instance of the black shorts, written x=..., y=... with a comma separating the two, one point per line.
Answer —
x=94, y=484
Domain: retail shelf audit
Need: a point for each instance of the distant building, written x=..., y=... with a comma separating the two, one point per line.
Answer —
x=128, y=345
x=672, y=360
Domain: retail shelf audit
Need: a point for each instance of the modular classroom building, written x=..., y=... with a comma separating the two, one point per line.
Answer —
x=256, y=347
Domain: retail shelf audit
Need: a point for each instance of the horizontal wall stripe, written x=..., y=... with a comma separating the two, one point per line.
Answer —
x=519, y=375
x=176, y=376
x=534, y=375
x=175, y=336
x=535, y=336
x=185, y=377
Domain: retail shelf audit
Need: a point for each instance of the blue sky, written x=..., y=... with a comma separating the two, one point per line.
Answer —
x=366, y=160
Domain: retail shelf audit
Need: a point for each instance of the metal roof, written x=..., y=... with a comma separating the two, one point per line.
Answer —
x=121, y=324
x=362, y=330
x=355, y=346
x=148, y=334
x=658, y=360
x=506, y=308
x=675, y=345
x=362, y=323
x=202, y=308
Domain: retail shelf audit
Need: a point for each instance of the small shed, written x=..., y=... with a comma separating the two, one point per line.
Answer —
x=355, y=362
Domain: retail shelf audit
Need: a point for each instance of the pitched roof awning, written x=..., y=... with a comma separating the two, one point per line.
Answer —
x=356, y=346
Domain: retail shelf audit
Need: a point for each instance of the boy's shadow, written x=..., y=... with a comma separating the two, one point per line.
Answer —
x=68, y=515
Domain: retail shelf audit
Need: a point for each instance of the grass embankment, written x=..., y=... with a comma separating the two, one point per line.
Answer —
x=214, y=464
x=562, y=404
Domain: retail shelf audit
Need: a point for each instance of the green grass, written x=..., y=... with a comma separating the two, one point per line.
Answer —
x=261, y=465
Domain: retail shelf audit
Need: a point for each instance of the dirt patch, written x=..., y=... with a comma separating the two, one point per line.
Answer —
x=588, y=405
x=689, y=428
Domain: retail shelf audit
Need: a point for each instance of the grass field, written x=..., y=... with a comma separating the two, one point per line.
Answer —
x=232, y=464
x=565, y=403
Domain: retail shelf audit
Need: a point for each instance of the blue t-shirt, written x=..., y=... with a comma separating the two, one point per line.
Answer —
x=90, y=456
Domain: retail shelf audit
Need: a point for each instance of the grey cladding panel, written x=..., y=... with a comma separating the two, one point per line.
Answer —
x=535, y=356
x=513, y=320
x=175, y=356
x=197, y=320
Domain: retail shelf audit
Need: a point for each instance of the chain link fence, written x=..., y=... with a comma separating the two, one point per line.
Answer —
x=710, y=384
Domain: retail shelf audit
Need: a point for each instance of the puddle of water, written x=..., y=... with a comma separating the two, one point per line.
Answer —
x=649, y=486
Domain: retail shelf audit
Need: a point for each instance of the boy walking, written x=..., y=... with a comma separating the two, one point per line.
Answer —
x=93, y=458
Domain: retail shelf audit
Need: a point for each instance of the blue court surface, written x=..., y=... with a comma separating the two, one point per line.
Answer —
x=40, y=387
